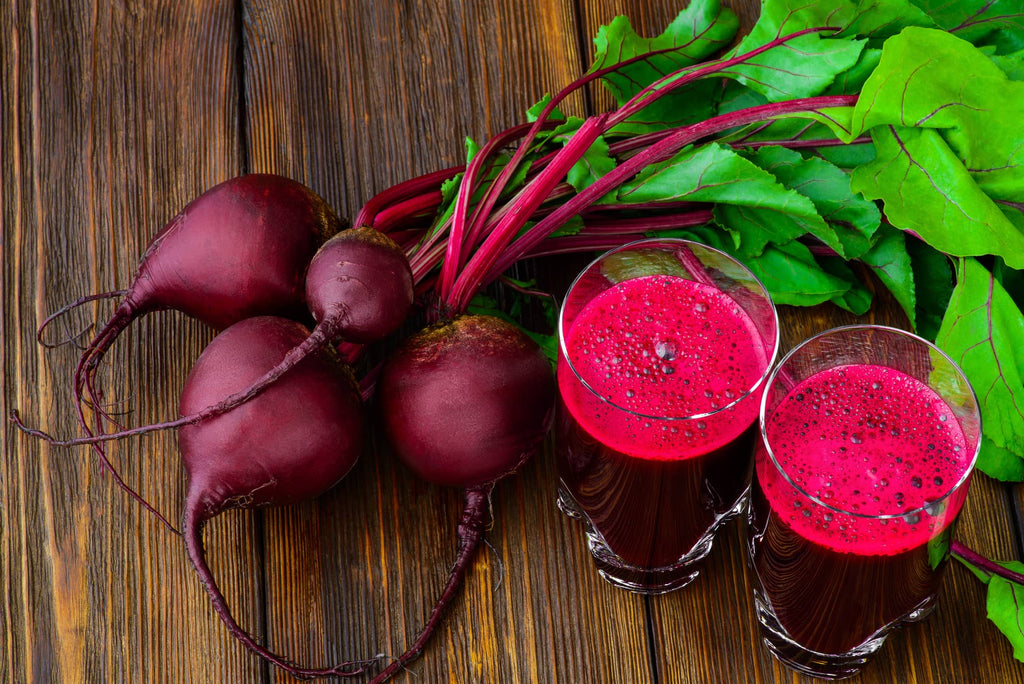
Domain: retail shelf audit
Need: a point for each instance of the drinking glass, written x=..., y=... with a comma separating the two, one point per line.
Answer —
x=665, y=345
x=869, y=436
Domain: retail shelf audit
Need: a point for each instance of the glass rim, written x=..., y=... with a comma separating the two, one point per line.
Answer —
x=762, y=423
x=761, y=380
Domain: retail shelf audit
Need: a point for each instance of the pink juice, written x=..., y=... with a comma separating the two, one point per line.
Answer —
x=654, y=351
x=871, y=441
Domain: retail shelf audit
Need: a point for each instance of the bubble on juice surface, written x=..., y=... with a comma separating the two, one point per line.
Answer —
x=872, y=467
x=651, y=355
x=667, y=349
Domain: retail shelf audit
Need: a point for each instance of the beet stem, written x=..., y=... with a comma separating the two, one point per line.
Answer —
x=966, y=554
x=192, y=525
x=457, y=249
x=402, y=212
x=480, y=268
x=404, y=190
x=475, y=516
x=496, y=188
x=659, y=151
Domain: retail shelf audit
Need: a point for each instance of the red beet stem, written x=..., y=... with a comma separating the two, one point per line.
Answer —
x=402, y=213
x=401, y=191
x=965, y=553
x=475, y=272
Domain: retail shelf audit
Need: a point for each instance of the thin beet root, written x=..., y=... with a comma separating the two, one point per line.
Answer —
x=67, y=308
x=290, y=444
x=475, y=516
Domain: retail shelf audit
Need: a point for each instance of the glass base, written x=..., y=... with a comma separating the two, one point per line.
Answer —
x=824, y=665
x=649, y=581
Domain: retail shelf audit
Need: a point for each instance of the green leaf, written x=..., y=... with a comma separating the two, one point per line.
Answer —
x=792, y=276
x=1003, y=605
x=927, y=190
x=751, y=203
x=789, y=272
x=571, y=226
x=881, y=19
x=1002, y=464
x=846, y=157
x=594, y=163
x=1012, y=281
x=699, y=31
x=873, y=19
x=851, y=220
x=890, y=261
x=931, y=79
x=857, y=298
x=997, y=22
x=449, y=193
x=1012, y=65
x=534, y=112
x=852, y=80
x=804, y=66
x=938, y=549
x=983, y=332
x=472, y=148
x=1003, y=602
x=933, y=275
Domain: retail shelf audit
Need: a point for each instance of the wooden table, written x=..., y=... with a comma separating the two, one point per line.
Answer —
x=114, y=115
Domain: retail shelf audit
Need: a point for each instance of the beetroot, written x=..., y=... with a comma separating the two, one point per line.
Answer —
x=360, y=285
x=290, y=444
x=464, y=403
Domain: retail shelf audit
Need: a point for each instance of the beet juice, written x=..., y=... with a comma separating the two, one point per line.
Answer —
x=850, y=523
x=656, y=424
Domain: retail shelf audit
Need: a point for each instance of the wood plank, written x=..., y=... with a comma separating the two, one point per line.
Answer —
x=114, y=117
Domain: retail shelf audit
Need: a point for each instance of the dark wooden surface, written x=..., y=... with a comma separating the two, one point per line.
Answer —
x=114, y=115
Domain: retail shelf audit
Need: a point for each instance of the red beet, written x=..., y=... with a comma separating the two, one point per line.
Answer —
x=464, y=403
x=289, y=444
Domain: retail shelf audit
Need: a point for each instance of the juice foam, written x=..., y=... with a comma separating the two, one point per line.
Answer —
x=662, y=346
x=867, y=440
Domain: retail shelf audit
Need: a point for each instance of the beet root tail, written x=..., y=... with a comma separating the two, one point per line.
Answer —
x=192, y=531
x=475, y=516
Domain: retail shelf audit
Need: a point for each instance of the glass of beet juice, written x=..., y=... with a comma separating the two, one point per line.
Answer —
x=868, y=439
x=665, y=346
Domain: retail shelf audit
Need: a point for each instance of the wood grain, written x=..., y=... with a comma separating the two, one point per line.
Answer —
x=113, y=117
